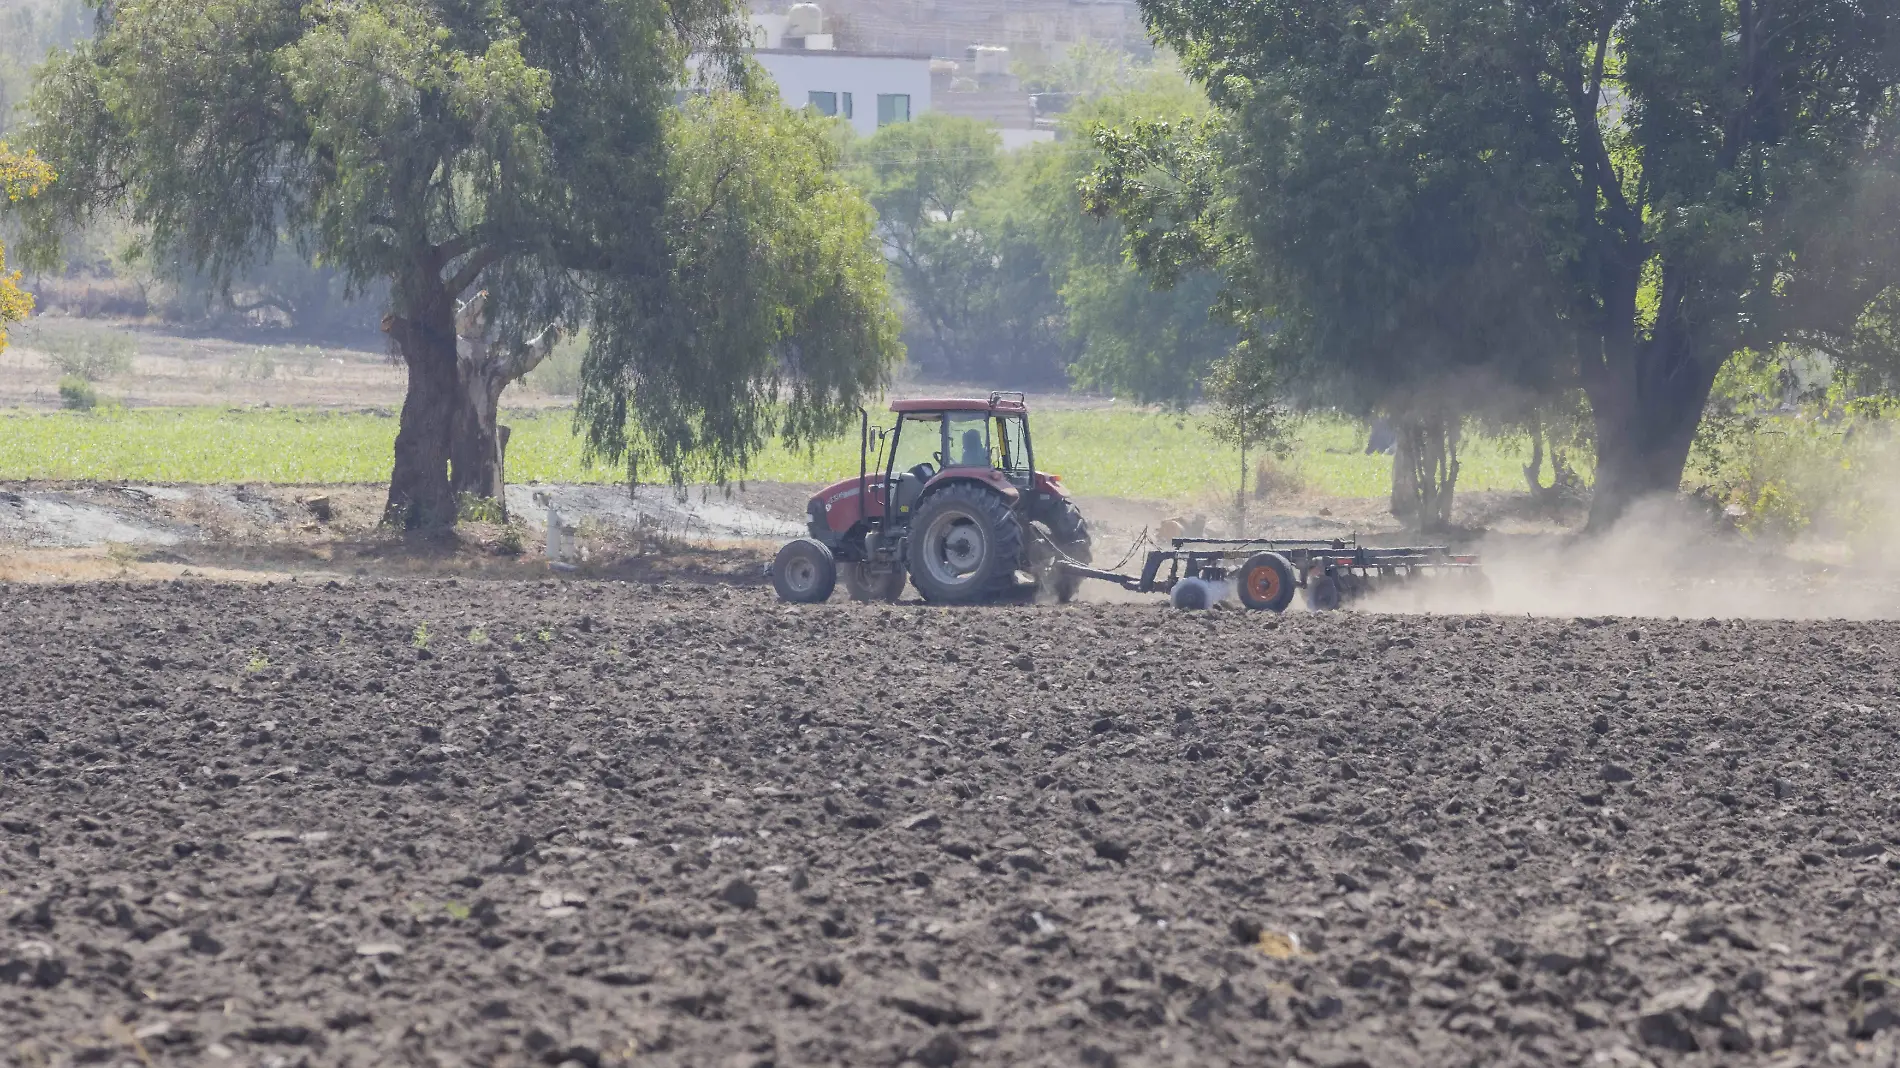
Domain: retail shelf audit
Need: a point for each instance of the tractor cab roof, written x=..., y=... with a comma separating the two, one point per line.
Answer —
x=1011, y=403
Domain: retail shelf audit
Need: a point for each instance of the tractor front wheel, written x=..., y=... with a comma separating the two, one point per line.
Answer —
x=804, y=572
x=965, y=546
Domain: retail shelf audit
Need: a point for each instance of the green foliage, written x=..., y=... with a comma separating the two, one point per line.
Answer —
x=1500, y=203
x=77, y=395
x=772, y=318
x=1776, y=446
x=510, y=543
x=1150, y=337
x=1005, y=280
x=924, y=178
x=1246, y=415
x=472, y=509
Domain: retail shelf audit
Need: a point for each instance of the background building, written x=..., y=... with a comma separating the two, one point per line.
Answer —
x=868, y=90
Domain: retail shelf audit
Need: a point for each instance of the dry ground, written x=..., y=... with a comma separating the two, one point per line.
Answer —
x=607, y=823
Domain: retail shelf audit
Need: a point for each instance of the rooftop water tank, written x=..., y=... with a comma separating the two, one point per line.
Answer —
x=804, y=20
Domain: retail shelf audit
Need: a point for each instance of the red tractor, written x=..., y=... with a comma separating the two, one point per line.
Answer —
x=953, y=503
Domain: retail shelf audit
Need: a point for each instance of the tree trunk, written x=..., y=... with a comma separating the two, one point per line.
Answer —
x=1647, y=402
x=475, y=457
x=485, y=368
x=1533, y=471
x=420, y=497
x=1425, y=470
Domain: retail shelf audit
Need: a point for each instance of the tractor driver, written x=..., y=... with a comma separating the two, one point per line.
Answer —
x=974, y=453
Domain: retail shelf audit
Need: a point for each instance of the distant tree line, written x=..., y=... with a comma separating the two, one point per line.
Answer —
x=1003, y=279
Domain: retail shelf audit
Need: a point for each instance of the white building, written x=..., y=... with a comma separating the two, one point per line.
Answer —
x=868, y=90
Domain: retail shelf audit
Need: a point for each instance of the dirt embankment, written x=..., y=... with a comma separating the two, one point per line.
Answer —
x=643, y=825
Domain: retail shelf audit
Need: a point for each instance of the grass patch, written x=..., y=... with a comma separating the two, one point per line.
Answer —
x=1109, y=453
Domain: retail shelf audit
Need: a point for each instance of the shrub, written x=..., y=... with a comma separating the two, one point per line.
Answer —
x=76, y=394
x=82, y=350
x=470, y=508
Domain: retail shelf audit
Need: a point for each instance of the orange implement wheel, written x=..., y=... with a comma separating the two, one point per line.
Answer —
x=1266, y=582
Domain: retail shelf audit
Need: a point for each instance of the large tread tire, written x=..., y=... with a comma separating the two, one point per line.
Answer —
x=804, y=572
x=1068, y=525
x=958, y=525
x=1266, y=582
x=863, y=585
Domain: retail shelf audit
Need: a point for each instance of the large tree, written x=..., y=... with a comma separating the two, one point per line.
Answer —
x=519, y=145
x=1616, y=193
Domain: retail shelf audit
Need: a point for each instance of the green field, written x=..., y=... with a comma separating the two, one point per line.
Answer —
x=1109, y=453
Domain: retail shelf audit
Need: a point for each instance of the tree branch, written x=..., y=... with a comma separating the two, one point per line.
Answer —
x=1735, y=130
x=478, y=261
x=1599, y=169
x=454, y=248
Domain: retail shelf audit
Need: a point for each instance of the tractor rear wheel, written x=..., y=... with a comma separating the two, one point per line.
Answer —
x=965, y=546
x=1071, y=536
x=866, y=585
x=1267, y=582
x=804, y=572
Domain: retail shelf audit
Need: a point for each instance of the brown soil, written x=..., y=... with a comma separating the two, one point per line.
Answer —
x=657, y=824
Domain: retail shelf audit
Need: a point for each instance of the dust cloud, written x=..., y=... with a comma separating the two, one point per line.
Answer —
x=1666, y=560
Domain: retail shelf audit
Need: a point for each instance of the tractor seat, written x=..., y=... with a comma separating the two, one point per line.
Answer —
x=910, y=486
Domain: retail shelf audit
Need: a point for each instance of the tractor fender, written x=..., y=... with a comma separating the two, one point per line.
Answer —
x=987, y=477
x=1051, y=485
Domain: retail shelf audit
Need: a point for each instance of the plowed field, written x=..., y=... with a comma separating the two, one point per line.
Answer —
x=439, y=824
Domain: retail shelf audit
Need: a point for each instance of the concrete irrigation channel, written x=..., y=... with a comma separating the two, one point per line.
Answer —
x=438, y=823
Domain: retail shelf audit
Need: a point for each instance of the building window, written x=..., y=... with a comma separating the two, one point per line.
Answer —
x=893, y=107
x=823, y=103
x=847, y=105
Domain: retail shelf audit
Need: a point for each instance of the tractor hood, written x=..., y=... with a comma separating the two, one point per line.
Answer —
x=845, y=489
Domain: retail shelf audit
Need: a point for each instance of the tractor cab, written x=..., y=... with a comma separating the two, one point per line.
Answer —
x=947, y=498
x=937, y=438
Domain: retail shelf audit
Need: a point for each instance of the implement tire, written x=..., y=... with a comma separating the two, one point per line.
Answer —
x=804, y=572
x=1192, y=595
x=1267, y=582
x=965, y=546
x=1322, y=593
